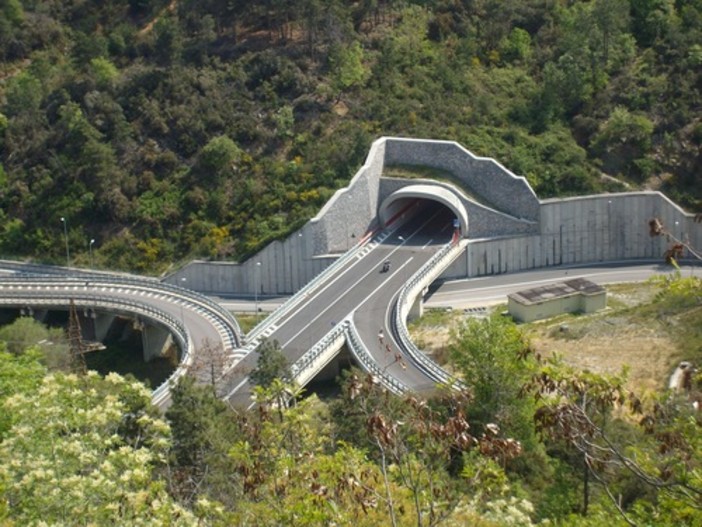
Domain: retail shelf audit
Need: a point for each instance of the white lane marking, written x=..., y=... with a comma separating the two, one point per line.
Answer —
x=380, y=286
x=428, y=243
x=236, y=388
x=340, y=297
x=318, y=292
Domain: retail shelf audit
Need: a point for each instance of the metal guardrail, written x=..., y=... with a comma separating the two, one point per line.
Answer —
x=298, y=297
x=361, y=353
x=347, y=330
x=425, y=275
x=35, y=298
x=87, y=299
x=229, y=324
x=420, y=279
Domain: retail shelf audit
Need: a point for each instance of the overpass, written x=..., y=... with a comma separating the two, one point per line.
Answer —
x=341, y=306
x=351, y=304
x=167, y=311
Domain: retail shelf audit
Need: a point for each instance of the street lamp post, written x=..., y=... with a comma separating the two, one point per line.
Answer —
x=90, y=251
x=65, y=236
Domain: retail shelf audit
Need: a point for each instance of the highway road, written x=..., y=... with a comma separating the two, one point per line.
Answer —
x=360, y=290
x=491, y=290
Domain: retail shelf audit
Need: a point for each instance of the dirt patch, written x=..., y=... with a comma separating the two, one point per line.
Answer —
x=607, y=346
x=603, y=342
x=170, y=8
x=608, y=341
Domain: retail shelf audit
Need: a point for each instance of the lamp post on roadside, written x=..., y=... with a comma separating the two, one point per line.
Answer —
x=90, y=251
x=65, y=236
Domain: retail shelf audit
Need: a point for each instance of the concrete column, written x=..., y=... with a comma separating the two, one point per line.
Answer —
x=417, y=309
x=102, y=323
x=40, y=314
x=156, y=341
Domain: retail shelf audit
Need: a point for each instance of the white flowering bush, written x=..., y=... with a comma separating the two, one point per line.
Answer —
x=509, y=512
x=82, y=450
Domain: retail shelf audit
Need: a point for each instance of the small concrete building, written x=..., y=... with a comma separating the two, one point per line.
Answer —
x=573, y=296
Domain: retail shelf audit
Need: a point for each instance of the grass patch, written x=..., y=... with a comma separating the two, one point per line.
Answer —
x=248, y=321
x=433, y=317
x=425, y=172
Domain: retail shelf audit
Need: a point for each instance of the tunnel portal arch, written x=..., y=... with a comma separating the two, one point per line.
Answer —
x=397, y=202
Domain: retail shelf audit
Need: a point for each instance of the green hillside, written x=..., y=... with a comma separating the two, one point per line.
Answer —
x=166, y=131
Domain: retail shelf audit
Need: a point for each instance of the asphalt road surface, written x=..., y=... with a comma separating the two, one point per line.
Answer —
x=490, y=290
x=363, y=291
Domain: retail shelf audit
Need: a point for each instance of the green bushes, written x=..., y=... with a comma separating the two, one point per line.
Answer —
x=107, y=115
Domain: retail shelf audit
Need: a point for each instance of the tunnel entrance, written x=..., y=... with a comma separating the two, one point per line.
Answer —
x=405, y=202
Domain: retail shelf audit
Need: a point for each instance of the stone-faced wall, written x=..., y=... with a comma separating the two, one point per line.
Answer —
x=486, y=178
x=351, y=211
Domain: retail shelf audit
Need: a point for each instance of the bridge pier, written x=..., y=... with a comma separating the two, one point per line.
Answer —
x=156, y=341
x=417, y=309
x=40, y=315
x=102, y=324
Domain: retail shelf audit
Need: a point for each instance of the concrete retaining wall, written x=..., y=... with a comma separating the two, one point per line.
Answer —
x=607, y=227
x=509, y=227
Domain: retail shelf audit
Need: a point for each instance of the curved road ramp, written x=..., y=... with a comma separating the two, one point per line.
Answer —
x=167, y=312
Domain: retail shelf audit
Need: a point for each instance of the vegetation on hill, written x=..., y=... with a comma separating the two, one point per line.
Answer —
x=199, y=128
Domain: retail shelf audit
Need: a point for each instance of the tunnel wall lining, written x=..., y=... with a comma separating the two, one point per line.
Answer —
x=423, y=191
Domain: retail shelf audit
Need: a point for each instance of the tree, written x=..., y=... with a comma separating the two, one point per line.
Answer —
x=576, y=407
x=270, y=365
x=217, y=163
x=209, y=364
x=675, y=251
x=517, y=46
x=19, y=374
x=347, y=68
x=26, y=332
x=204, y=428
x=494, y=359
x=85, y=448
x=294, y=475
x=427, y=447
x=169, y=41
x=622, y=141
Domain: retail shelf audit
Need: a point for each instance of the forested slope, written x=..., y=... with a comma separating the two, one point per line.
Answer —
x=203, y=128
